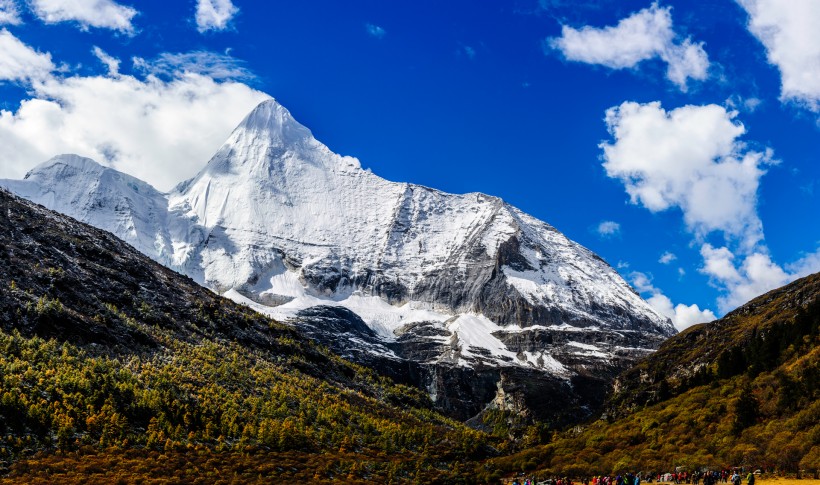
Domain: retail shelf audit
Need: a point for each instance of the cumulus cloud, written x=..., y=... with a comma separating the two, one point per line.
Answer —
x=162, y=131
x=9, y=13
x=754, y=275
x=608, y=228
x=375, y=30
x=214, y=14
x=19, y=62
x=747, y=276
x=645, y=35
x=105, y=14
x=682, y=316
x=788, y=31
x=689, y=158
x=667, y=258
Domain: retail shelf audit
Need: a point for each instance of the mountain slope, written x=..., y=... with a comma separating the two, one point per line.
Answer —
x=102, y=197
x=741, y=391
x=450, y=287
x=756, y=337
x=346, y=230
x=104, y=349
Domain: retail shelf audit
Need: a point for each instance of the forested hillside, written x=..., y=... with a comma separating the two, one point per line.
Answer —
x=113, y=366
x=741, y=391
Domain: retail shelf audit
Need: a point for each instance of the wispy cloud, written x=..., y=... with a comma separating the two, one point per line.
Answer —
x=375, y=30
x=747, y=105
x=112, y=63
x=645, y=35
x=667, y=258
x=19, y=62
x=9, y=13
x=608, y=229
x=211, y=64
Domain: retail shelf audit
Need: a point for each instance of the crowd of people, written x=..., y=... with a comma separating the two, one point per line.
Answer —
x=708, y=477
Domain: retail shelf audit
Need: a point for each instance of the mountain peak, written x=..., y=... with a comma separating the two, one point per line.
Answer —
x=274, y=122
x=267, y=141
x=74, y=163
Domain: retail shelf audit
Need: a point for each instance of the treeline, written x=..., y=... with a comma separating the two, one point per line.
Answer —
x=111, y=362
x=216, y=398
x=757, y=406
x=758, y=337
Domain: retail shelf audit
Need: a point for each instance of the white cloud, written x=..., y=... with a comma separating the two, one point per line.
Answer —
x=214, y=14
x=608, y=228
x=689, y=158
x=748, y=105
x=105, y=14
x=753, y=276
x=667, y=258
x=9, y=13
x=216, y=66
x=162, y=131
x=19, y=62
x=808, y=264
x=375, y=31
x=788, y=31
x=682, y=316
x=719, y=263
x=112, y=63
x=685, y=61
x=746, y=277
x=645, y=35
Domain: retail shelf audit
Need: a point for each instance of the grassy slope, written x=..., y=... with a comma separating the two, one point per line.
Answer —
x=744, y=390
x=111, y=361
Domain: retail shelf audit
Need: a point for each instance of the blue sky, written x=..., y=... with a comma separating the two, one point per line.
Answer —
x=679, y=140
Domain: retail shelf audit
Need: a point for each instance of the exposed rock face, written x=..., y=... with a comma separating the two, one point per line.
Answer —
x=448, y=292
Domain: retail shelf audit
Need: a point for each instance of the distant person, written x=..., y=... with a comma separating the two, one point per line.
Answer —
x=750, y=480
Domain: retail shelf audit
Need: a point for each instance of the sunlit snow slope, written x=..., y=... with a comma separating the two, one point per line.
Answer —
x=279, y=221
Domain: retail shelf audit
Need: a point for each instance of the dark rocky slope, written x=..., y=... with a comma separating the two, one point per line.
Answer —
x=103, y=351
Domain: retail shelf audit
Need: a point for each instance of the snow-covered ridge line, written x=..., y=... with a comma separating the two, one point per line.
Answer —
x=279, y=221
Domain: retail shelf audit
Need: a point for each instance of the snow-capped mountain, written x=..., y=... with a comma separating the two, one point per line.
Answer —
x=279, y=221
x=85, y=190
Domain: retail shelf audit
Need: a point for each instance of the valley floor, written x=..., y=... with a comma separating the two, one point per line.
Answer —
x=206, y=466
